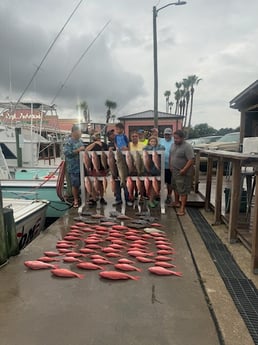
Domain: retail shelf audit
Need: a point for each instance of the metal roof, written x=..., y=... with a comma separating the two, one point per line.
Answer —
x=149, y=114
x=247, y=98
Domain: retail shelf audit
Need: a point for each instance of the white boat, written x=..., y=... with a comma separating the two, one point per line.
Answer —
x=34, y=184
x=29, y=218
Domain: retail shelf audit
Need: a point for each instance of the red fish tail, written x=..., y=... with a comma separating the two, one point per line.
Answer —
x=80, y=276
x=135, y=277
x=56, y=266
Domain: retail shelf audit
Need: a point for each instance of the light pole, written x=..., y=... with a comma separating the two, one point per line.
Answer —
x=155, y=55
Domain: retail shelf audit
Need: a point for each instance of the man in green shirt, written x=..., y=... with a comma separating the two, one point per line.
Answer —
x=181, y=165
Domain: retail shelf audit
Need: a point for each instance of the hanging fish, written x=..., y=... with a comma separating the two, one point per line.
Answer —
x=105, y=184
x=147, y=161
x=130, y=162
x=88, y=186
x=130, y=187
x=112, y=164
x=139, y=164
x=95, y=161
x=155, y=185
x=156, y=159
x=87, y=161
x=147, y=185
x=122, y=168
x=104, y=160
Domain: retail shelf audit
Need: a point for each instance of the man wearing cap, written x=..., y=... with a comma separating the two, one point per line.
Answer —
x=142, y=138
x=167, y=142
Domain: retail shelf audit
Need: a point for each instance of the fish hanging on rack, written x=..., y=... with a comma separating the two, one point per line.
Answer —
x=156, y=159
x=88, y=185
x=95, y=161
x=87, y=161
x=139, y=163
x=147, y=161
x=112, y=164
x=130, y=187
x=122, y=168
x=104, y=161
x=155, y=185
x=130, y=162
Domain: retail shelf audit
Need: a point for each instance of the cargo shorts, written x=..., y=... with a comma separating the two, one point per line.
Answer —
x=182, y=184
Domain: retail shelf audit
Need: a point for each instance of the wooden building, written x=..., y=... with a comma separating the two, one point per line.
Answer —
x=145, y=120
x=247, y=103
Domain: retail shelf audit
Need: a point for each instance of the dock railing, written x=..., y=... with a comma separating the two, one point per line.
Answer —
x=237, y=163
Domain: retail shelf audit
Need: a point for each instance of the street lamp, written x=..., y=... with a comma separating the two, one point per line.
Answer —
x=155, y=55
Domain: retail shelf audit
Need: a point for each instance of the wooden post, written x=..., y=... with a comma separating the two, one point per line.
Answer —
x=255, y=230
x=234, y=202
x=197, y=171
x=208, y=183
x=218, y=195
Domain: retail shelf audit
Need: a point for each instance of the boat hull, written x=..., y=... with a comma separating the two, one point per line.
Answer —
x=29, y=217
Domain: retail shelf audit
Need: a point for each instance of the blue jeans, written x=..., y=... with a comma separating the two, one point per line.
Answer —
x=118, y=192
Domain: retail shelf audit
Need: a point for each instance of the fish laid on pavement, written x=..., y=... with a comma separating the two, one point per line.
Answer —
x=89, y=266
x=164, y=264
x=47, y=259
x=113, y=255
x=65, y=273
x=119, y=227
x=161, y=271
x=123, y=217
x=127, y=267
x=101, y=262
x=139, y=163
x=122, y=168
x=144, y=259
x=112, y=164
x=51, y=254
x=38, y=265
x=125, y=261
x=71, y=259
x=163, y=258
x=114, y=275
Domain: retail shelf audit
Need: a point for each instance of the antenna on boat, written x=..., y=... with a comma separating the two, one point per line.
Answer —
x=46, y=54
x=79, y=60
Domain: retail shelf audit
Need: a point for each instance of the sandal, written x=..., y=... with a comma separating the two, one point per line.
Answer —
x=180, y=214
x=75, y=205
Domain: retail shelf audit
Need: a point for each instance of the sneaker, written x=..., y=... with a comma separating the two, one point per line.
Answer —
x=168, y=200
x=129, y=203
x=117, y=202
x=103, y=201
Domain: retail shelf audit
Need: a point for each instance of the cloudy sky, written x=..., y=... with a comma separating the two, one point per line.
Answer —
x=216, y=40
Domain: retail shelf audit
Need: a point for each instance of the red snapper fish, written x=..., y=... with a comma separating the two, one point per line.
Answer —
x=163, y=258
x=136, y=253
x=127, y=267
x=38, y=265
x=164, y=264
x=130, y=187
x=113, y=255
x=71, y=259
x=125, y=261
x=87, y=161
x=101, y=262
x=75, y=254
x=47, y=259
x=147, y=185
x=155, y=185
x=146, y=161
x=119, y=227
x=87, y=251
x=161, y=271
x=89, y=266
x=95, y=161
x=156, y=159
x=114, y=275
x=144, y=260
x=51, y=254
x=65, y=273
x=165, y=252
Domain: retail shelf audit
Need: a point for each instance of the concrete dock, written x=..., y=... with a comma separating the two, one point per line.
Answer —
x=39, y=309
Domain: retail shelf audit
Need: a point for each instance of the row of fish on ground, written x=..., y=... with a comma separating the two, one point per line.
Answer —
x=112, y=249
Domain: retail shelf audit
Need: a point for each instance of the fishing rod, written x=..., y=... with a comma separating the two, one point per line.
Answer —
x=79, y=60
x=46, y=54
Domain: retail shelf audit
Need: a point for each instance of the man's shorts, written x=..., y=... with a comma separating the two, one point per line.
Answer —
x=182, y=184
x=168, y=176
x=75, y=179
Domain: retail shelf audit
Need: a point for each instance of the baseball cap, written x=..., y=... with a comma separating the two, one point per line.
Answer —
x=140, y=131
x=154, y=129
x=111, y=131
x=168, y=131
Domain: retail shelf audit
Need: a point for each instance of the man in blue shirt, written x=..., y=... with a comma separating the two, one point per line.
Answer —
x=167, y=142
x=72, y=148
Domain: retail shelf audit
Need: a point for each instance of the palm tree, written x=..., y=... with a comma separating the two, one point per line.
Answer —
x=167, y=94
x=186, y=84
x=177, y=99
x=83, y=106
x=110, y=105
x=177, y=96
x=170, y=104
x=193, y=80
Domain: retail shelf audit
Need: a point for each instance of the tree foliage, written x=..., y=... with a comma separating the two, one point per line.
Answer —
x=203, y=130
